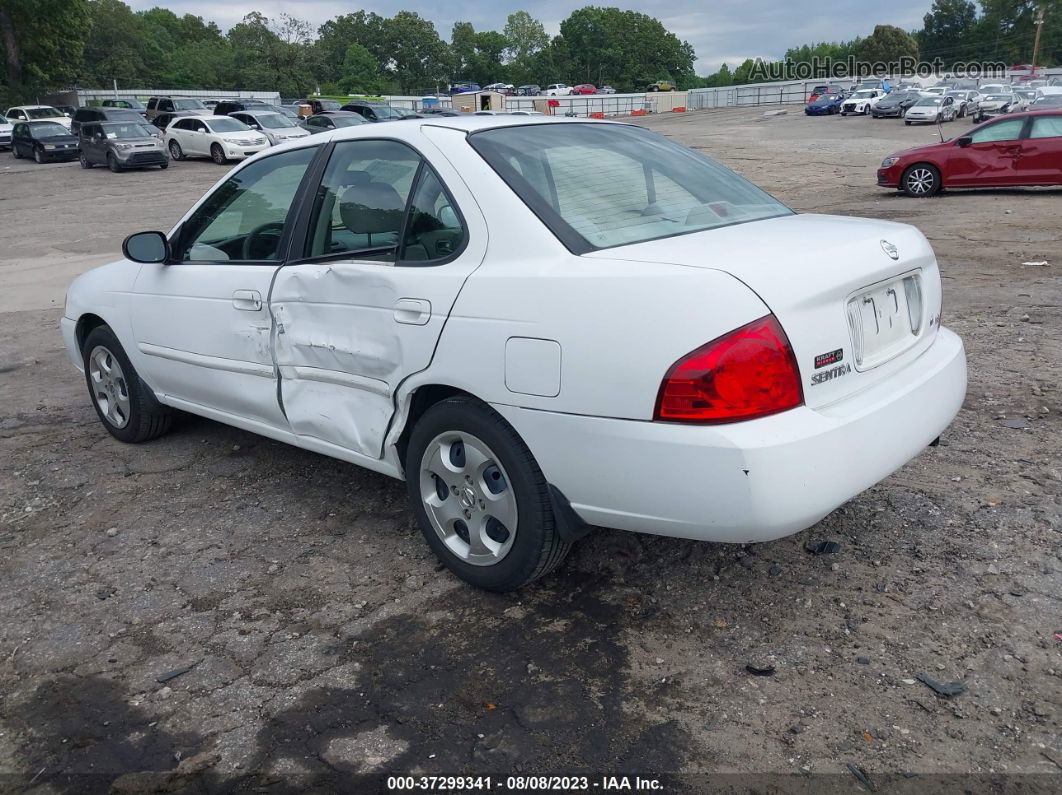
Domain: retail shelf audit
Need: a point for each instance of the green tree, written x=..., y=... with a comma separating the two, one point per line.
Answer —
x=272, y=54
x=120, y=48
x=524, y=38
x=948, y=31
x=887, y=44
x=361, y=71
x=41, y=42
x=419, y=59
x=626, y=49
x=336, y=35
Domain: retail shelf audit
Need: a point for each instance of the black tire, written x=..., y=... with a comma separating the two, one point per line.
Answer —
x=175, y=151
x=164, y=166
x=85, y=162
x=112, y=163
x=217, y=154
x=14, y=151
x=146, y=418
x=537, y=548
x=907, y=122
x=38, y=155
x=921, y=180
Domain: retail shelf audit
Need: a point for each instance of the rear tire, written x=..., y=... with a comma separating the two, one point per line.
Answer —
x=467, y=470
x=14, y=151
x=125, y=405
x=921, y=181
x=85, y=162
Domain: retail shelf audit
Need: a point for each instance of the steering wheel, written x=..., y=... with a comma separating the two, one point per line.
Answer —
x=274, y=227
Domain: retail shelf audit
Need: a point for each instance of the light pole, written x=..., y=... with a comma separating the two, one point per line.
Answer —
x=1036, y=46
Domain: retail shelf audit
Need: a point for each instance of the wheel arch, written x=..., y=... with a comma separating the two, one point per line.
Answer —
x=85, y=325
x=419, y=401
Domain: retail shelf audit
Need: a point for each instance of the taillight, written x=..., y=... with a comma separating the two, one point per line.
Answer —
x=750, y=372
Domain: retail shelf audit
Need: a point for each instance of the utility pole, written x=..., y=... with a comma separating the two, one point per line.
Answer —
x=1036, y=46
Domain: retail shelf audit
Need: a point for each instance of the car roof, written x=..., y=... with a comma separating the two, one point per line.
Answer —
x=29, y=107
x=466, y=122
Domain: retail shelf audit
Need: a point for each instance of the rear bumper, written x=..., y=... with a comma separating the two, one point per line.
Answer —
x=750, y=481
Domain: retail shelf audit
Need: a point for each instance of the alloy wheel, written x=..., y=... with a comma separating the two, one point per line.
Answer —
x=468, y=498
x=109, y=387
x=920, y=181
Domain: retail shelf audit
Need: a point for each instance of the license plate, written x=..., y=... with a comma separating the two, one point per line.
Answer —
x=880, y=321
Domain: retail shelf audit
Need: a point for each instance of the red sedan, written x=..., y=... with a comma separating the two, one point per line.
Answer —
x=585, y=88
x=1019, y=149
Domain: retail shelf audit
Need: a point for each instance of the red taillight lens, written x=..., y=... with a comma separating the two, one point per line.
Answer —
x=750, y=372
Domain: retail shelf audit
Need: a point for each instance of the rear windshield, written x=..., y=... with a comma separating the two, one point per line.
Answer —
x=603, y=185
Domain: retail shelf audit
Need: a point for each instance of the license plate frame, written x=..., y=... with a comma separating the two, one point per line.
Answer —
x=880, y=315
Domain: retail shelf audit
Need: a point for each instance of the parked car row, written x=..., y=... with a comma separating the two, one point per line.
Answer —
x=552, y=90
x=119, y=135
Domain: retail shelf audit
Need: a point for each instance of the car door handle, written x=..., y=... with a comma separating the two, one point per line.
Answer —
x=414, y=311
x=247, y=300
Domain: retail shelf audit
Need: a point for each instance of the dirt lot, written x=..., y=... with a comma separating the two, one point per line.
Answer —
x=327, y=645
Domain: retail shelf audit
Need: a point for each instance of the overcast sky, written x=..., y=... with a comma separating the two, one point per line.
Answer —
x=727, y=31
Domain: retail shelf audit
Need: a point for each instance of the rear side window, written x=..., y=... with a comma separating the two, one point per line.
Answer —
x=603, y=185
x=380, y=202
x=1046, y=127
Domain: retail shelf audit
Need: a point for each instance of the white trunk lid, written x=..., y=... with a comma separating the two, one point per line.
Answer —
x=833, y=284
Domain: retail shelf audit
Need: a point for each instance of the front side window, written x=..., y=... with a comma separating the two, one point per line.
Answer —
x=1009, y=130
x=604, y=185
x=244, y=218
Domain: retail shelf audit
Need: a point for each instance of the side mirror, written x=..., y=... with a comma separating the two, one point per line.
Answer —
x=963, y=141
x=146, y=247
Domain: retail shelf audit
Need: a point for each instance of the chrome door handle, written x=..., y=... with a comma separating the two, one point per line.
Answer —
x=247, y=300
x=413, y=311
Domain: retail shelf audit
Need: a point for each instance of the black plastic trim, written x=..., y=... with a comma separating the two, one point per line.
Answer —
x=570, y=525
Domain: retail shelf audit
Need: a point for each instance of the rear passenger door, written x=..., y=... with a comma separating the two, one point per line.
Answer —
x=1040, y=162
x=387, y=244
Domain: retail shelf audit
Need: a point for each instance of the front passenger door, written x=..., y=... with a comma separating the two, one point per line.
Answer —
x=990, y=157
x=202, y=323
x=1040, y=162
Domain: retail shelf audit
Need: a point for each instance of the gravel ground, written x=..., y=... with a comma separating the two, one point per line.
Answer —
x=313, y=640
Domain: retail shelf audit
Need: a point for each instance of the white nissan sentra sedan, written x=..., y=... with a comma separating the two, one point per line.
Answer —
x=540, y=325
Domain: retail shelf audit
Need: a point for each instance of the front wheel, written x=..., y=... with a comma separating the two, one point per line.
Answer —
x=85, y=162
x=175, y=151
x=921, y=180
x=480, y=498
x=112, y=163
x=38, y=155
x=125, y=404
x=217, y=154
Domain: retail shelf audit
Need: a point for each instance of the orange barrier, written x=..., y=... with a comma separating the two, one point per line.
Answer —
x=639, y=113
x=597, y=114
x=679, y=109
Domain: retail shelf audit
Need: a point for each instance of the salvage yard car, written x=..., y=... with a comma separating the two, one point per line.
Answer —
x=992, y=105
x=862, y=101
x=6, y=128
x=825, y=105
x=934, y=108
x=895, y=105
x=43, y=141
x=37, y=113
x=220, y=138
x=339, y=294
x=1016, y=150
x=121, y=145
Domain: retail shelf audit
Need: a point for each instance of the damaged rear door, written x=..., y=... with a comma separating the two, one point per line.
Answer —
x=389, y=240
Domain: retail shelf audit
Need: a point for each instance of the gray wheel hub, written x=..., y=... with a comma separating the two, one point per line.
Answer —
x=468, y=497
x=920, y=180
x=109, y=387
